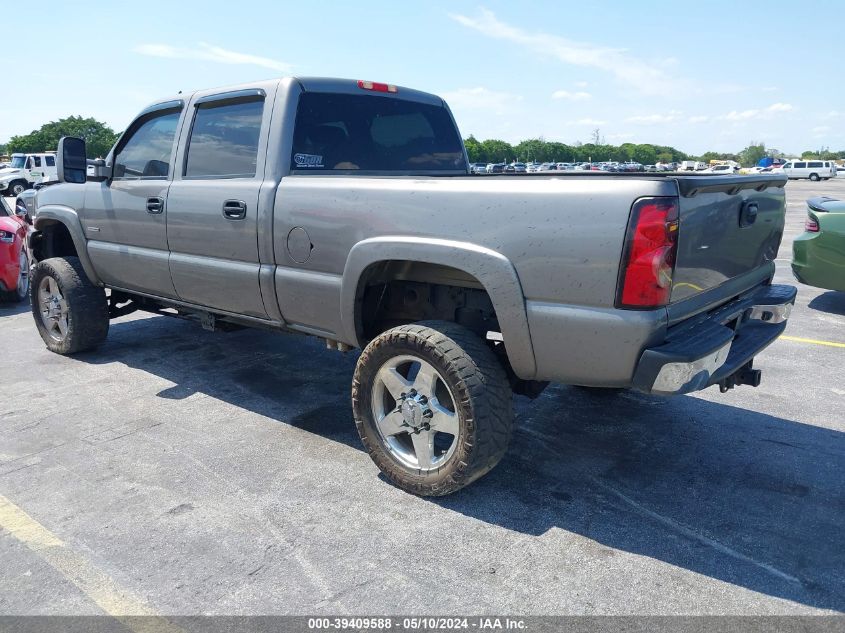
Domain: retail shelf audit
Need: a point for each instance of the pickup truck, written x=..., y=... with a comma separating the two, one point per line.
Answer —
x=344, y=210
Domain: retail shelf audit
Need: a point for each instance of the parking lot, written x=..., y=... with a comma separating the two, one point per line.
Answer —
x=178, y=471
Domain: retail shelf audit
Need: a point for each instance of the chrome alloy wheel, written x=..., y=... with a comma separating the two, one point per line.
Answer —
x=414, y=411
x=53, y=308
x=23, y=275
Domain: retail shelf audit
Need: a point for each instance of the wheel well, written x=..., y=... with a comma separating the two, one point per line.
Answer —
x=53, y=240
x=398, y=292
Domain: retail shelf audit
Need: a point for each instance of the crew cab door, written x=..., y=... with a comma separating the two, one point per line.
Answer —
x=125, y=218
x=212, y=219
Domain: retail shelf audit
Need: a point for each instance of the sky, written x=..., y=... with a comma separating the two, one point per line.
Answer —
x=696, y=76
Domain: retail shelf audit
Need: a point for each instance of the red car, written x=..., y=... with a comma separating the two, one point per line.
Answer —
x=14, y=259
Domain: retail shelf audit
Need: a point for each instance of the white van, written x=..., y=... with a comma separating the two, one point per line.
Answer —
x=812, y=169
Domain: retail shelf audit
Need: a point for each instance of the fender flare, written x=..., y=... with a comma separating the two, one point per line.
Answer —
x=493, y=270
x=52, y=214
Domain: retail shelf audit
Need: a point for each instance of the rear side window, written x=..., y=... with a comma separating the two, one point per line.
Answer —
x=145, y=151
x=814, y=163
x=50, y=161
x=337, y=132
x=224, y=140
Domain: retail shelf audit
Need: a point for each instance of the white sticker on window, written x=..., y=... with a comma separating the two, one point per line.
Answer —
x=308, y=160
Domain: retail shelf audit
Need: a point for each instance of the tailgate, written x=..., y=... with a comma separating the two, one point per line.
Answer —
x=729, y=227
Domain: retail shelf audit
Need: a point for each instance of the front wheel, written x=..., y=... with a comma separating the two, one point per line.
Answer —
x=17, y=188
x=432, y=406
x=814, y=177
x=71, y=313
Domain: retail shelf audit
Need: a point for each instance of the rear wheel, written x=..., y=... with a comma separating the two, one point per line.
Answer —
x=433, y=406
x=70, y=312
x=814, y=177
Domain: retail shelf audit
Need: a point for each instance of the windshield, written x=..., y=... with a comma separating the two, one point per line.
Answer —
x=18, y=162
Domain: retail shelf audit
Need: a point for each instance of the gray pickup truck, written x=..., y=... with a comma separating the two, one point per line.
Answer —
x=345, y=210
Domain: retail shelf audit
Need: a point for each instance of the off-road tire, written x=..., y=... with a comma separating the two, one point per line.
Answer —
x=88, y=311
x=480, y=388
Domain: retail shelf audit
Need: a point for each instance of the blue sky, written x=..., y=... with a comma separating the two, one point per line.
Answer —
x=696, y=75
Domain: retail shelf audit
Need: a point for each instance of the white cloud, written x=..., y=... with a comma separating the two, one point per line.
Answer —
x=821, y=128
x=654, y=119
x=209, y=53
x=571, y=96
x=698, y=119
x=780, y=107
x=834, y=114
x=480, y=98
x=744, y=115
x=626, y=68
x=581, y=84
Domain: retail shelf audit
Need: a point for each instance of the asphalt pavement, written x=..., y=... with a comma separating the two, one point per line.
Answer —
x=179, y=471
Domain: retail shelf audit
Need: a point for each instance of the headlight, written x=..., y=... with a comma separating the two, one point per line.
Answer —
x=6, y=237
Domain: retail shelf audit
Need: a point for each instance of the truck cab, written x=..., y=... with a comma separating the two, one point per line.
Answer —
x=25, y=171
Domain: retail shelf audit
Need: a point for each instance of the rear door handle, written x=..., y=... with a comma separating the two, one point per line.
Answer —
x=234, y=209
x=155, y=205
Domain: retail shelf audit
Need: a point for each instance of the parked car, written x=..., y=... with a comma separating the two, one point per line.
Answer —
x=519, y=167
x=381, y=240
x=478, y=168
x=813, y=169
x=14, y=258
x=818, y=254
x=495, y=168
x=721, y=169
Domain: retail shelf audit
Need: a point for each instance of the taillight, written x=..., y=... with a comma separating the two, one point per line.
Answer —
x=378, y=87
x=648, y=261
x=811, y=224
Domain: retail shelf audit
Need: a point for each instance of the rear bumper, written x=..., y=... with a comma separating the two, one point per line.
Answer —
x=713, y=348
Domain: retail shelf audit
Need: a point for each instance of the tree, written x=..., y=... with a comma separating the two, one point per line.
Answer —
x=99, y=137
x=752, y=154
x=497, y=151
x=475, y=151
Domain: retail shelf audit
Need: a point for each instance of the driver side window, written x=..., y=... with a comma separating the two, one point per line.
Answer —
x=147, y=152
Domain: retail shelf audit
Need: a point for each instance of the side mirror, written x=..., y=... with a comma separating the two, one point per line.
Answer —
x=22, y=212
x=71, y=161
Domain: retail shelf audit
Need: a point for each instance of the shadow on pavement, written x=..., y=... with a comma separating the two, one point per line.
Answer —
x=832, y=302
x=740, y=496
x=12, y=309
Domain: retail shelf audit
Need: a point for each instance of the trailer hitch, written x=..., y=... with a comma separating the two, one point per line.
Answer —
x=745, y=375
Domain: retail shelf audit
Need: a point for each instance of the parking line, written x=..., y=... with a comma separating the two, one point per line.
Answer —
x=94, y=583
x=812, y=341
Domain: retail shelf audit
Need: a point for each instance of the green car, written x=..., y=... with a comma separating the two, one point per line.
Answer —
x=818, y=254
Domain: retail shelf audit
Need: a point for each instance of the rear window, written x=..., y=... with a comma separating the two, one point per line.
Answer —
x=224, y=140
x=339, y=132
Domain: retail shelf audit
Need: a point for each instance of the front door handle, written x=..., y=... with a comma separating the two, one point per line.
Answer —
x=234, y=209
x=155, y=205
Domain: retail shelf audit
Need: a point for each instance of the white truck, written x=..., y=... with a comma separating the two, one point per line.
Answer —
x=25, y=171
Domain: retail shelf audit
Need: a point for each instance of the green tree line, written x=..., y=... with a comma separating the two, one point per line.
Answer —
x=498, y=151
x=98, y=136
